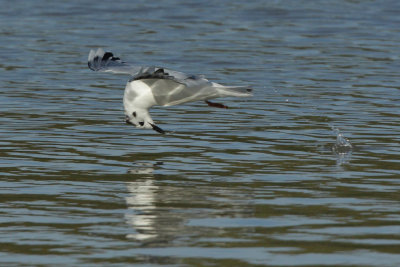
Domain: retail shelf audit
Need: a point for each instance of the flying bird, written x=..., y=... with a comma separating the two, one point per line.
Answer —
x=151, y=86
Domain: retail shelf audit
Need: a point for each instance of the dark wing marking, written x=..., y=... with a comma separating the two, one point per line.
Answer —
x=100, y=60
x=166, y=74
x=153, y=73
x=106, y=61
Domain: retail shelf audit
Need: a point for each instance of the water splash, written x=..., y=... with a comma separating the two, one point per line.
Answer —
x=342, y=145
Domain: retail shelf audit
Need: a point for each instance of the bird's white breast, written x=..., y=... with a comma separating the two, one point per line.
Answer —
x=138, y=95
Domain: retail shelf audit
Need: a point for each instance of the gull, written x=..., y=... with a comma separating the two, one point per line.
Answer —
x=151, y=86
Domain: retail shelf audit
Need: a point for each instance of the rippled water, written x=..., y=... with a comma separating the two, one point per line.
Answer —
x=304, y=173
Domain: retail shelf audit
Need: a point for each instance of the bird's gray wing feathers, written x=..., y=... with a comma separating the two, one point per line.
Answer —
x=100, y=60
x=167, y=92
x=106, y=62
x=167, y=74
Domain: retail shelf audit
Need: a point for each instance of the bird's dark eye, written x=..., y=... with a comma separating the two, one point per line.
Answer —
x=134, y=114
x=141, y=123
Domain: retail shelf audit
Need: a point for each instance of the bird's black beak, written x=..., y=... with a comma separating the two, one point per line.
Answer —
x=157, y=129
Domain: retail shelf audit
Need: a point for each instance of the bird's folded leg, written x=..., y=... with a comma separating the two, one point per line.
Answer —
x=157, y=129
x=216, y=105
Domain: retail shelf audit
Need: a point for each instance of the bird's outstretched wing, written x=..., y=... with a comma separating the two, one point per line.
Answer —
x=100, y=60
x=106, y=62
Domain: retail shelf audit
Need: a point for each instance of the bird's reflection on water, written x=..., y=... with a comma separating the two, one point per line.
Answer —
x=141, y=202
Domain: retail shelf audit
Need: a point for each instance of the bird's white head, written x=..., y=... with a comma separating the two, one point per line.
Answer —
x=138, y=117
x=138, y=98
x=141, y=119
